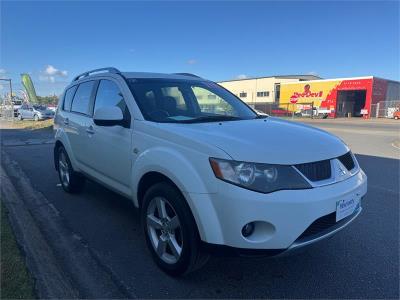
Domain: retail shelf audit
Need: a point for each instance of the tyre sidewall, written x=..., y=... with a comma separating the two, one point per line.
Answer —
x=188, y=227
x=60, y=151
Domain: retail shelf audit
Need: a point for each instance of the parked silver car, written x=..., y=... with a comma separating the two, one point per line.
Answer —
x=35, y=112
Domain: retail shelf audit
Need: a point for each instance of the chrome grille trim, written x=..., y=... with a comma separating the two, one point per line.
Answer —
x=337, y=167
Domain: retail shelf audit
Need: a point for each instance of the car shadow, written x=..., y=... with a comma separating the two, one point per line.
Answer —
x=337, y=267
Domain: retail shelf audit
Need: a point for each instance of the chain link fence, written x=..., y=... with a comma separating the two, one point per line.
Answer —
x=304, y=110
x=385, y=109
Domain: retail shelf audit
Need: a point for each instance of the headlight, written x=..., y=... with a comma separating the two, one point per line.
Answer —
x=263, y=178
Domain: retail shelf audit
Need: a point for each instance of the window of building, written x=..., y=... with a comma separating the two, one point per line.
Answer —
x=263, y=94
x=277, y=91
x=81, y=101
x=69, y=94
x=243, y=95
x=109, y=94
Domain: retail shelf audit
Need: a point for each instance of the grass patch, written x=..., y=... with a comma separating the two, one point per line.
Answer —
x=15, y=281
x=28, y=124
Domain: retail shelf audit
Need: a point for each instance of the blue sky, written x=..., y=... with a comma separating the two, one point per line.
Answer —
x=53, y=41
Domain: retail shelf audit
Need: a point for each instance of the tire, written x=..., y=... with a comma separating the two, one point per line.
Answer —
x=396, y=117
x=175, y=229
x=71, y=181
x=20, y=118
x=36, y=118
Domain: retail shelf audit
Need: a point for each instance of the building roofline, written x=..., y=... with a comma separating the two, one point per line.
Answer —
x=346, y=78
x=334, y=79
x=272, y=76
x=391, y=80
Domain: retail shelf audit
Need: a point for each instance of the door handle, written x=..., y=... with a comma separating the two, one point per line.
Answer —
x=66, y=121
x=90, y=130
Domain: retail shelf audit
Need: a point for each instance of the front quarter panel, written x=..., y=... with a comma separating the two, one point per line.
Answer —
x=190, y=173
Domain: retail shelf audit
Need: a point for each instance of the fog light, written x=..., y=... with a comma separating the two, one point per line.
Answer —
x=248, y=229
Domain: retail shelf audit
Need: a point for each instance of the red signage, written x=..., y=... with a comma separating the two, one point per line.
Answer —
x=306, y=93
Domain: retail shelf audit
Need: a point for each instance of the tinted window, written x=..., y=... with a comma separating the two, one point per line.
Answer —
x=81, y=100
x=69, y=94
x=108, y=94
x=187, y=101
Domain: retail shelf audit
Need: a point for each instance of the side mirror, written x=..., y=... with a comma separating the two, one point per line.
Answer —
x=108, y=116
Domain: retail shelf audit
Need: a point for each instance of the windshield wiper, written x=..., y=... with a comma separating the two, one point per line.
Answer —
x=210, y=119
x=259, y=116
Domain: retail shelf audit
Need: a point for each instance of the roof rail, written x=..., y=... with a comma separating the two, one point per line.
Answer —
x=187, y=74
x=109, y=69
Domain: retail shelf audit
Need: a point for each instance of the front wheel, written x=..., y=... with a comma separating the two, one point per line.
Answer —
x=170, y=230
x=396, y=117
x=71, y=181
x=36, y=118
x=20, y=117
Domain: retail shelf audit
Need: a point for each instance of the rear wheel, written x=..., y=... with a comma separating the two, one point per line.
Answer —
x=396, y=117
x=20, y=117
x=71, y=181
x=170, y=230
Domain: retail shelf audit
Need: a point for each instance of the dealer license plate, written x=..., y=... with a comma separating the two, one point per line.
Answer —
x=345, y=208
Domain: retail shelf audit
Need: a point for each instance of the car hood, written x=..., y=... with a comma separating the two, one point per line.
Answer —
x=269, y=140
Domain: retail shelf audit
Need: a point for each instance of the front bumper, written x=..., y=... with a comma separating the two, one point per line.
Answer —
x=284, y=215
x=45, y=117
x=301, y=243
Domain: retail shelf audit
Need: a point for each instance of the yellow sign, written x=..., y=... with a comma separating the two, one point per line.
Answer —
x=307, y=92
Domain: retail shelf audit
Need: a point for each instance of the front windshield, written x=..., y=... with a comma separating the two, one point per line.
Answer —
x=39, y=107
x=185, y=101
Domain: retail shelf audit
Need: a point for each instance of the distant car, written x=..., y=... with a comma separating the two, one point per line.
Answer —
x=396, y=115
x=16, y=105
x=52, y=107
x=281, y=112
x=34, y=112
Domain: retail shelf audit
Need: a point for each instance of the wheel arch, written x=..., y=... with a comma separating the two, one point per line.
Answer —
x=57, y=145
x=153, y=177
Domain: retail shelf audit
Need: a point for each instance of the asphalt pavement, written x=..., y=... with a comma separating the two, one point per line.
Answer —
x=362, y=261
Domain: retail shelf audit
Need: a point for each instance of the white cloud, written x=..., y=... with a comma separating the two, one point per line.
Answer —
x=191, y=61
x=50, y=74
x=2, y=73
x=52, y=71
x=242, y=76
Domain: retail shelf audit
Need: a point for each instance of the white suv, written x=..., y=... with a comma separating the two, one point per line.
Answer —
x=206, y=171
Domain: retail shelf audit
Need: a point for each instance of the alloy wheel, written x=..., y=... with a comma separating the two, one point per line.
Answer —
x=164, y=230
x=64, y=169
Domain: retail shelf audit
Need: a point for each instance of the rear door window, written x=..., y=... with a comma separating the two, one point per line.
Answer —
x=69, y=95
x=81, y=102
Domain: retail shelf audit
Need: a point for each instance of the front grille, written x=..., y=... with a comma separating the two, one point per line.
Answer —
x=347, y=160
x=322, y=224
x=316, y=171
